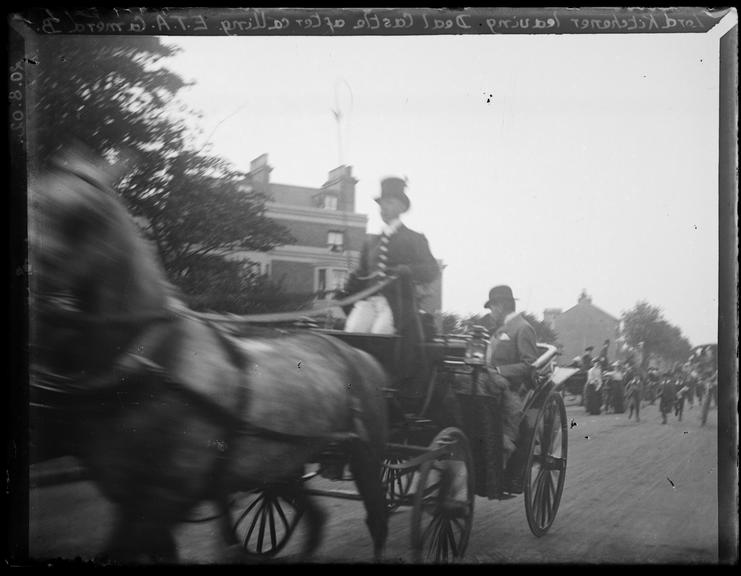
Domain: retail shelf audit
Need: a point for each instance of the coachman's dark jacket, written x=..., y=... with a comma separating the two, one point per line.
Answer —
x=405, y=247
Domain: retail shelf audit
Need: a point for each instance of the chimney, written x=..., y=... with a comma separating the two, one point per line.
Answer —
x=260, y=172
x=341, y=181
x=550, y=315
x=584, y=299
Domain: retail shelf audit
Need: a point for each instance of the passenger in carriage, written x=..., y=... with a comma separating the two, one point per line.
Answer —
x=510, y=355
x=398, y=251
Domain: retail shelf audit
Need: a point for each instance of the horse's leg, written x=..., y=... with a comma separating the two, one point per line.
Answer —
x=315, y=517
x=233, y=551
x=366, y=471
x=140, y=539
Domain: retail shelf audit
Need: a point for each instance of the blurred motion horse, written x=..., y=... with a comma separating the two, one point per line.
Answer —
x=169, y=410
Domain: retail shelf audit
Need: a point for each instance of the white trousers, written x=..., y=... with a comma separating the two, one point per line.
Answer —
x=371, y=315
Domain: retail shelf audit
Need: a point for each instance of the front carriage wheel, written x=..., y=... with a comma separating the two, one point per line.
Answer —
x=545, y=471
x=397, y=482
x=442, y=515
x=266, y=522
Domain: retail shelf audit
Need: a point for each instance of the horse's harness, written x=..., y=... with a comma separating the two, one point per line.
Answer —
x=137, y=360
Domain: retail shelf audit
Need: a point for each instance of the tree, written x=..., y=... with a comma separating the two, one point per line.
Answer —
x=645, y=328
x=115, y=95
x=232, y=286
x=110, y=92
x=456, y=324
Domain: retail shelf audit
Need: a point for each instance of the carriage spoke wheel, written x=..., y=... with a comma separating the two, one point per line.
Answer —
x=442, y=514
x=396, y=483
x=545, y=471
x=266, y=522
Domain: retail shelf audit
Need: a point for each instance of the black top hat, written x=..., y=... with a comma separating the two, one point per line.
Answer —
x=393, y=187
x=499, y=294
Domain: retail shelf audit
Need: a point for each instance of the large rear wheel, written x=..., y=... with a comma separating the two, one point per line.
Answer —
x=442, y=513
x=266, y=521
x=545, y=471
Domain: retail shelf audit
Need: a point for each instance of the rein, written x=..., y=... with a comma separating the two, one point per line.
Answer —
x=77, y=317
x=294, y=316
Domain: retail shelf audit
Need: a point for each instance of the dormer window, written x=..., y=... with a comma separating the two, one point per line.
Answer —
x=329, y=202
x=335, y=241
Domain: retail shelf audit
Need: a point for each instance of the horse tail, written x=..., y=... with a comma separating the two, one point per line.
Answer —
x=370, y=420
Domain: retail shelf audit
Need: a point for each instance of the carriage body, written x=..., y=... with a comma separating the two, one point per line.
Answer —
x=437, y=426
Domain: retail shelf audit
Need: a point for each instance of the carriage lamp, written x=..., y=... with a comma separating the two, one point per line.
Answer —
x=476, y=347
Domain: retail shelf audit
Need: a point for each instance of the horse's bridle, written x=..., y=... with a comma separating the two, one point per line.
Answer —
x=126, y=364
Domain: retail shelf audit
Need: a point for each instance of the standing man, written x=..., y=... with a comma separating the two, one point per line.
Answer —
x=586, y=365
x=603, y=359
x=398, y=251
x=667, y=397
x=634, y=391
x=653, y=384
x=594, y=388
x=682, y=391
x=510, y=356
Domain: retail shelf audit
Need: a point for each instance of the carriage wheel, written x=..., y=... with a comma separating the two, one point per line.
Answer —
x=396, y=482
x=266, y=522
x=545, y=471
x=443, y=501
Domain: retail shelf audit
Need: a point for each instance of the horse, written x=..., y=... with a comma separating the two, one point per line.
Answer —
x=168, y=410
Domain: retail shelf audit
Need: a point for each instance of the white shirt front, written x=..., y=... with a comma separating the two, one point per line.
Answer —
x=391, y=227
x=509, y=316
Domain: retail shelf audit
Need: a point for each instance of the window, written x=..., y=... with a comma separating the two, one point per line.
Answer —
x=337, y=278
x=335, y=241
x=329, y=280
x=329, y=202
x=321, y=280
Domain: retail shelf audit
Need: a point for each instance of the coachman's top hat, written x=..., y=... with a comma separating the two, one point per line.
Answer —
x=499, y=294
x=393, y=187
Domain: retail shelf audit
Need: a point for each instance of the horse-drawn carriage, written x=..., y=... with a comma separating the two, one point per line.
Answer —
x=436, y=462
x=173, y=408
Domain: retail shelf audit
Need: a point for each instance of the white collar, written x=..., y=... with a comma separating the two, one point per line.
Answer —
x=509, y=316
x=392, y=227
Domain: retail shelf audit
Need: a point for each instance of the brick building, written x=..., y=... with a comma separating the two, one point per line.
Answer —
x=583, y=325
x=329, y=234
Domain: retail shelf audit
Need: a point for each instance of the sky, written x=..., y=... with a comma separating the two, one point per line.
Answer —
x=552, y=163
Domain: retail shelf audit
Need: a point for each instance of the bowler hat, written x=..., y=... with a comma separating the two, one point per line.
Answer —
x=393, y=187
x=499, y=294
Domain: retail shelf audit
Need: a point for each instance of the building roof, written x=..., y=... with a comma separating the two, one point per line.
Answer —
x=589, y=305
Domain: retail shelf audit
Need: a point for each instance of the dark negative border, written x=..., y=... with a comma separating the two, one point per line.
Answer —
x=371, y=21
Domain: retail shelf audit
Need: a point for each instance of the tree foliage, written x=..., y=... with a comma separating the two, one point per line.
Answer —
x=645, y=328
x=115, y=96
x=231, y=286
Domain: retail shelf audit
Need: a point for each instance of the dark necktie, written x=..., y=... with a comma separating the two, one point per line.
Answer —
x=383, y=254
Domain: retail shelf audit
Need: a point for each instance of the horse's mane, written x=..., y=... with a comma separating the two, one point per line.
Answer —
x=94, y=186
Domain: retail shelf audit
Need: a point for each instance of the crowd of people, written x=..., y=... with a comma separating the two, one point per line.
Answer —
x=676, y=388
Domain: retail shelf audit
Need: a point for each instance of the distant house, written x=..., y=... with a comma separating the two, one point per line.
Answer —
x=329, y=234
x=583, y=325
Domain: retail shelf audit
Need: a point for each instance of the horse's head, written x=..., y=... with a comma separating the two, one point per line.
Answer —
x=88, y=264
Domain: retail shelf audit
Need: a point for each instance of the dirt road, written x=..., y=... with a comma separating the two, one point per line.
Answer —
x=635, y=493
